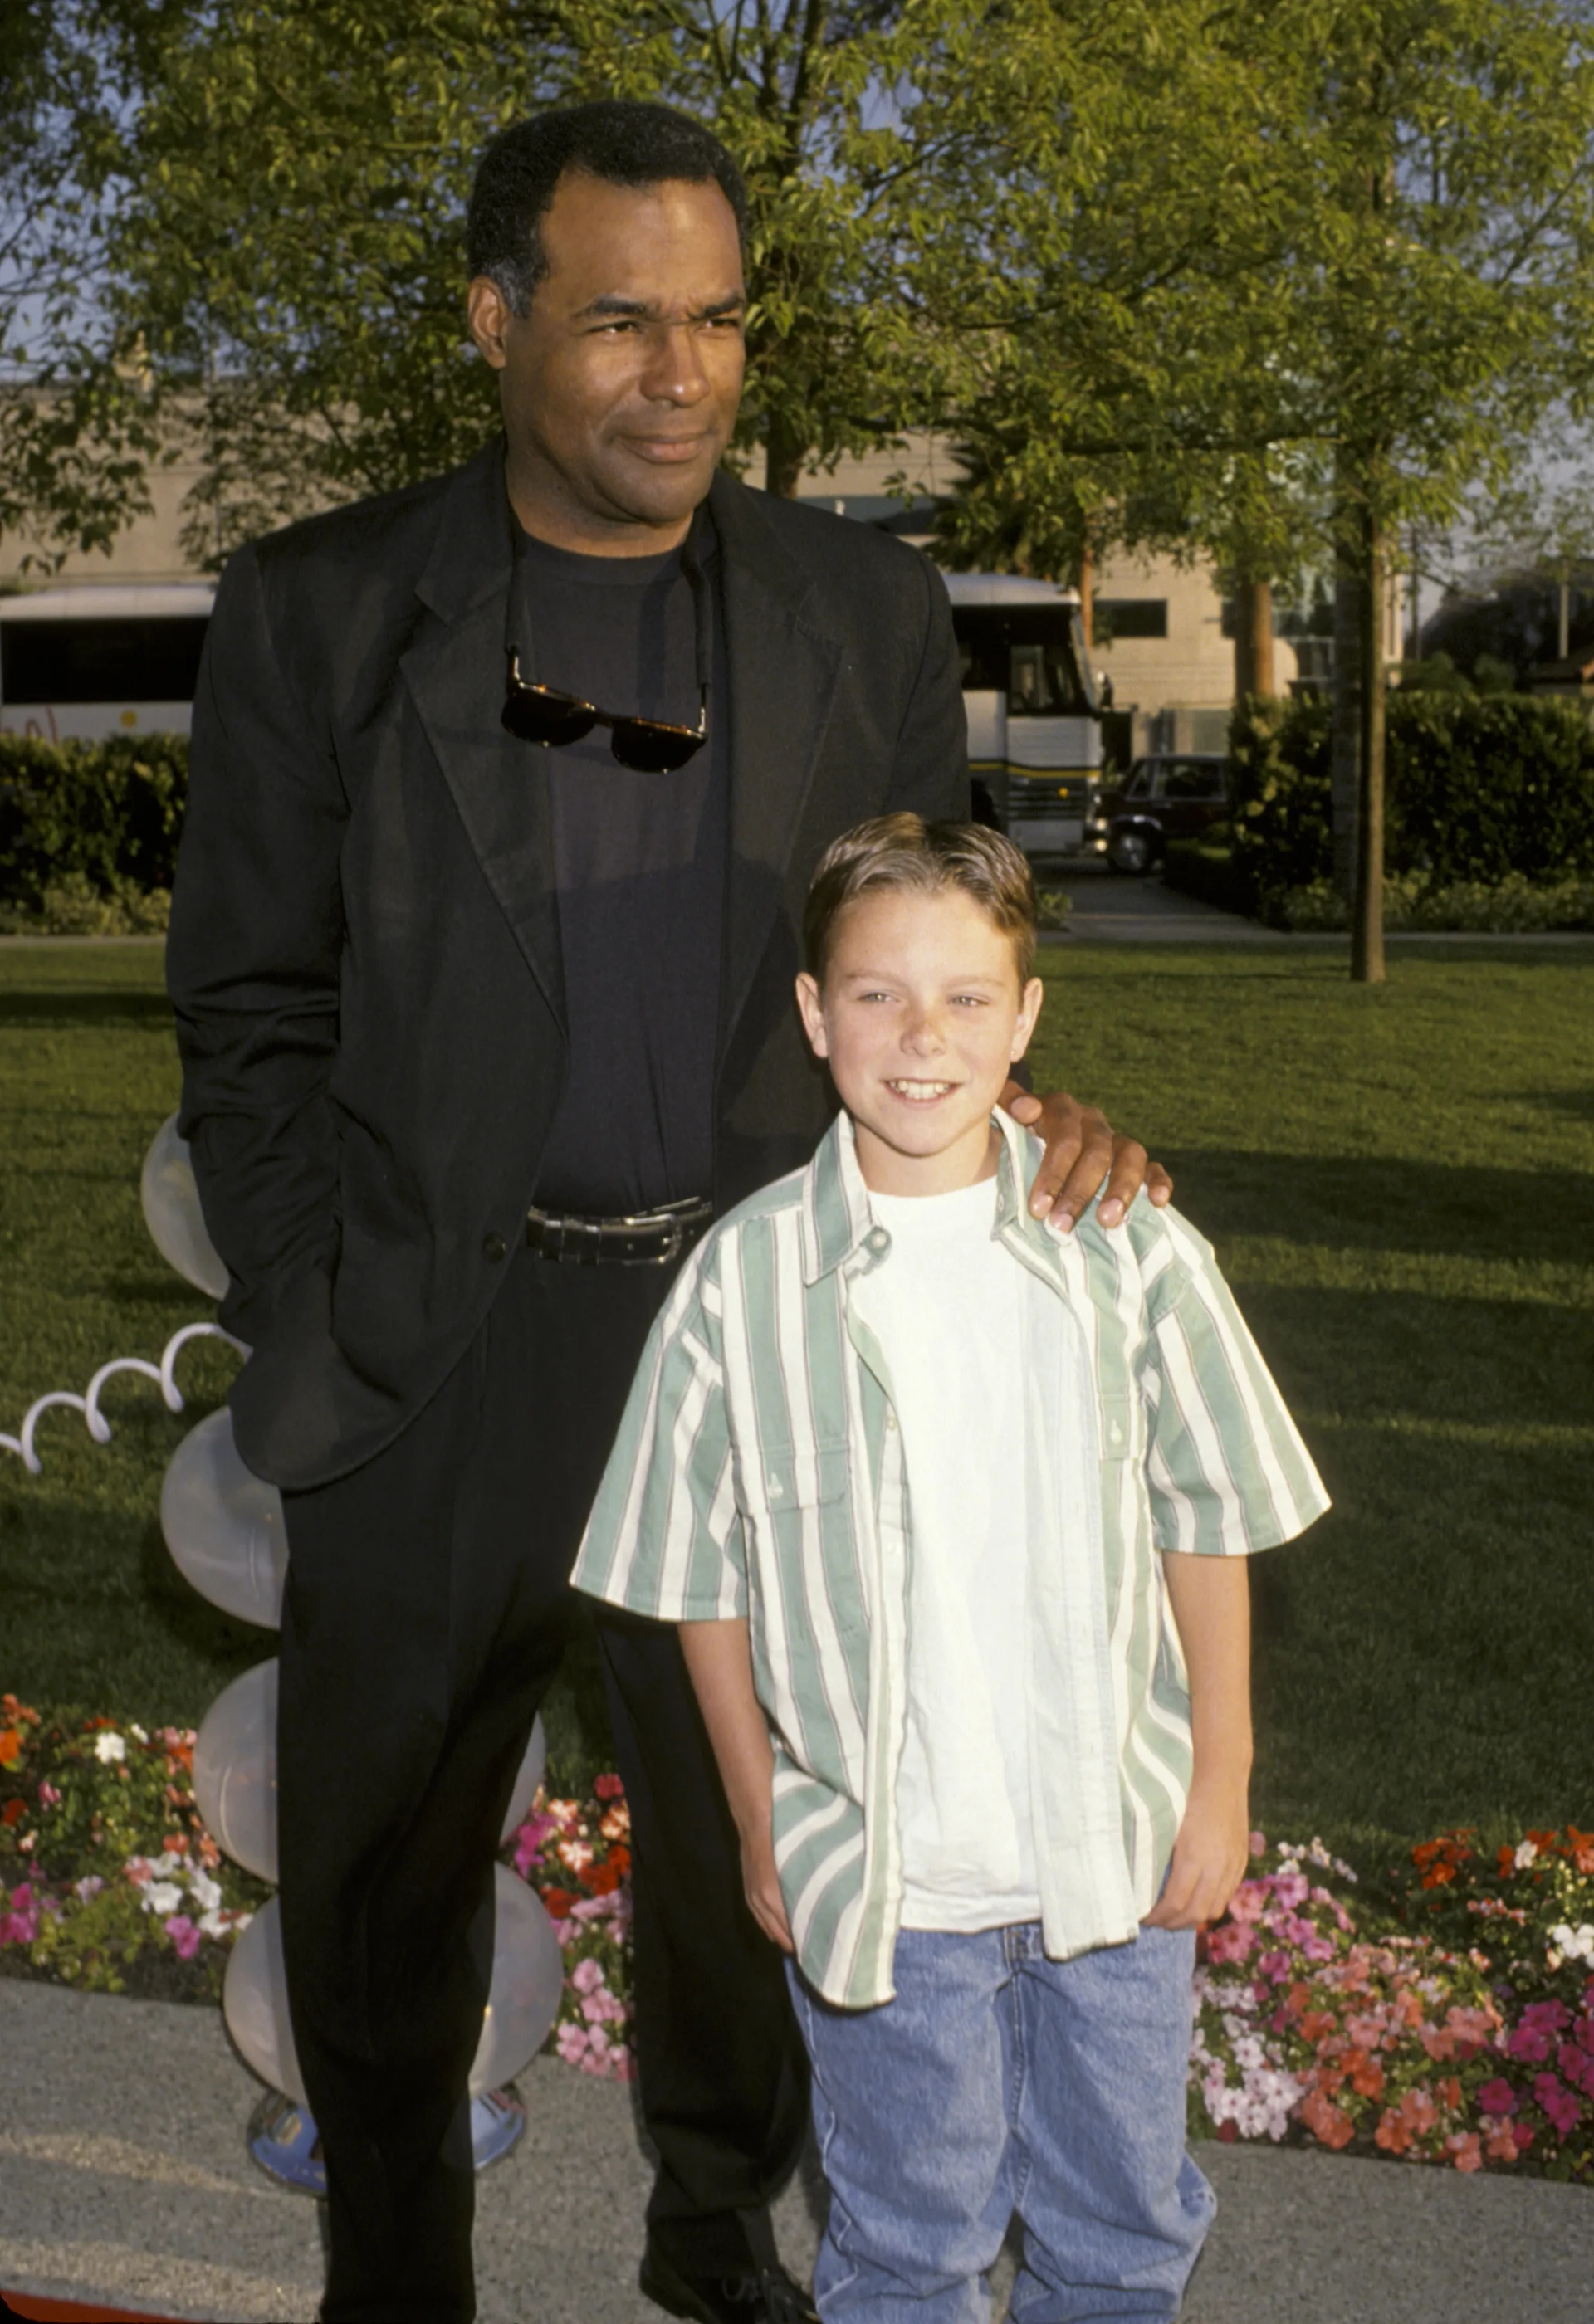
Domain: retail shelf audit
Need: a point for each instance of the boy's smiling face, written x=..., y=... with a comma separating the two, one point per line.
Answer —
x=920, y=1018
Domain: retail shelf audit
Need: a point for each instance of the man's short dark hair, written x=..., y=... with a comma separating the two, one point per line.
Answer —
x=620, y=140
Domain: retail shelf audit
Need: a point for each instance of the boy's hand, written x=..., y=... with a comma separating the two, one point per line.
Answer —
x=761, y=1888
x=1081, y=1151
x=1209, y=1858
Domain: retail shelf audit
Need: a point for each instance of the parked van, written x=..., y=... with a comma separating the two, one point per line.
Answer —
x=101, y=658
x=1035, y=723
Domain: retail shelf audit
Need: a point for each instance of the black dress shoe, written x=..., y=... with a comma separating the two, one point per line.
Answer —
x=762, y=2295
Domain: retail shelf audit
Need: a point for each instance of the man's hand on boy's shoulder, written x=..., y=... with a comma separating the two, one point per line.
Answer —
x=1082, y=1149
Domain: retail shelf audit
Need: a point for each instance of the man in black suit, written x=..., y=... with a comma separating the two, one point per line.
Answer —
x=506, y=791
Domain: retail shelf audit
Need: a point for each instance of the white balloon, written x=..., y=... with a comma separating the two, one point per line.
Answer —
x=173, y=1214
x=528, y=1979
x=528, y=1783
x=235, y=1770
x=255, y=2003
x=224, y=1525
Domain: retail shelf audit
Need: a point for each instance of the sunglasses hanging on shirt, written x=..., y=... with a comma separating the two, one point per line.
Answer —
x=542, y=715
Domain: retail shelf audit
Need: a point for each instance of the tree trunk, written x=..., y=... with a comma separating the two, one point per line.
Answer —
x=785, y=451
x=1253, y=641
x=1086, y=584
x=1345, y=724
x=1366, y=933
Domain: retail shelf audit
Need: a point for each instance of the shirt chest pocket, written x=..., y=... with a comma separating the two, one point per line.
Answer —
x=782, y=1479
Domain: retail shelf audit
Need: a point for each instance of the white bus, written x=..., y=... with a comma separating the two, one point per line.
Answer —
x=1034, y=723
x=102, y=658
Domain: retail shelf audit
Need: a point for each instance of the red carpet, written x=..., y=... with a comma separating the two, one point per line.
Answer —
x=30, y=2305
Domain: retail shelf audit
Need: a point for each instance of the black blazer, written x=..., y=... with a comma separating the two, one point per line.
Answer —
x=365, y=957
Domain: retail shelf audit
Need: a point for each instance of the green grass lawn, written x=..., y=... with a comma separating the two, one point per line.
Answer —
x=1400, y=1182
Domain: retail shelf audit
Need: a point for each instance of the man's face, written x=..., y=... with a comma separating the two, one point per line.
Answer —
x=620, y=387
x=920, y=1018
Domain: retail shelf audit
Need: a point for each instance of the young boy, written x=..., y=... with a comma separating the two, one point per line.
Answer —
x=900, y=1460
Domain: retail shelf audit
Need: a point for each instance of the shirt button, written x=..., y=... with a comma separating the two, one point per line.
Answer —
x=877, y=1240
x=494, y=1247
x=891, y=1420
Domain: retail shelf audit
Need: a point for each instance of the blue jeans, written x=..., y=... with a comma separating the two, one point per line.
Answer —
x=1000, y=2081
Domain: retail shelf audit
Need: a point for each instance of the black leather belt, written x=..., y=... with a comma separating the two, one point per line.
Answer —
x=639, y=1239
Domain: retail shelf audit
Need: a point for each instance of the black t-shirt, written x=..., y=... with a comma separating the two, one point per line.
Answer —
x=640, y=864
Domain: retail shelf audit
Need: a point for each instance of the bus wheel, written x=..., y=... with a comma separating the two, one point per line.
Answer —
x=1129, y=851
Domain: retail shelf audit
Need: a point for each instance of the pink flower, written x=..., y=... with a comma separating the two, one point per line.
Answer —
x=1249, y=1901
x=1577, y=2067
x=1498, y=2097
x=184, y=1936
x=1540, y=2022
x=49, y=1797
x=1258, y=1843
x=609, y=1787
x=571, y=2045
x=1463, y=2148
x=1563, y=2108
x=1230, y=1941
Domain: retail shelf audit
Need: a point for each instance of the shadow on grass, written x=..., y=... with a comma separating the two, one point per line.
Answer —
x=1477, y=1211
x=109, y=1005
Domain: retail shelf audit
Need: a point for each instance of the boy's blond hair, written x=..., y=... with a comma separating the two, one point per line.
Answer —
x=904, y=853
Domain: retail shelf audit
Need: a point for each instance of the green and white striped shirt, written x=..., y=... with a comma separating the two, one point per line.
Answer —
x=758, y=1471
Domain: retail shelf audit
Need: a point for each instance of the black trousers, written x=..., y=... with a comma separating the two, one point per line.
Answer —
x=426, y=1610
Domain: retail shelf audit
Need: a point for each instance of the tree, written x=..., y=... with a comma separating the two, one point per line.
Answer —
x=76, y=424
x=288, y=182
x=1308, y=290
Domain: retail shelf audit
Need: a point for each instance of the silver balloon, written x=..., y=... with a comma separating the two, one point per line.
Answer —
x=528, y=1783
x=255, y=2003
x=224, y=1525
x=173, y=1214
x=528, y=1979
x=235, y=1770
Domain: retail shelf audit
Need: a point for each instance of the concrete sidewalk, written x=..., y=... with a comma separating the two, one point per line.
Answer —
x=123, y=2179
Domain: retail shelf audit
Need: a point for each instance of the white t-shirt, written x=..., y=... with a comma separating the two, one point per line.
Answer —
x=946, y=1306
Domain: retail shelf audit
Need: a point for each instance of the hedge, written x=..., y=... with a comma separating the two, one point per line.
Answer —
x=89, y=831
x=1477, y=791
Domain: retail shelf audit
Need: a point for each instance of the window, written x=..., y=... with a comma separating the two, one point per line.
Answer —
x=135, y=660
x=1129, y=617
x=1193, y=779
x=1028, y=653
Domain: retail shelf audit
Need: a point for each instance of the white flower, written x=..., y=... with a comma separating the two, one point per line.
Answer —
x=162, y=1896
x=108, y=1746
x=137, y=1733
x=1578, y=1942
x=1527, y=1854
x=205, y=1892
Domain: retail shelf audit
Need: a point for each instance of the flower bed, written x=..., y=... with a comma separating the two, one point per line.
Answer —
x=1444, y=2014
x=1449, y=2020
x=110, y=1883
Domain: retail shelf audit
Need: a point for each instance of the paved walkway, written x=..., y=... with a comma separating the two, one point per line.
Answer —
x=124, y=2180
x=1110, y=908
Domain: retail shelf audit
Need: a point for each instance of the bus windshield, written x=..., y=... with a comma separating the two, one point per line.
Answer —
x=1033, y=654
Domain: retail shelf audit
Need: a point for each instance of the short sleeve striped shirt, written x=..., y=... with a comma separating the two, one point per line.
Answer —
x=758, y=1471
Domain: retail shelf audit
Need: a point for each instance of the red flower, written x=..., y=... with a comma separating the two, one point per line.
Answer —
x=559, y=1902
x=1328, y=2123
x=609, y=1787
x=12, y=1813
x=10, y=1747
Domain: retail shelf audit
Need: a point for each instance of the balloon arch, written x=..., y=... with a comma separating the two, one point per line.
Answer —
x=224, y=1529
